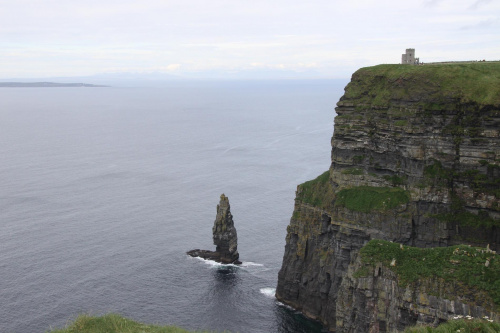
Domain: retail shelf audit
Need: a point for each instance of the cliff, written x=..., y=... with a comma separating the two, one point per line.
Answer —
x=415, y=161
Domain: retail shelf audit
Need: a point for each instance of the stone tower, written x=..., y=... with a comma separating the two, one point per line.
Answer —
x=409, y=57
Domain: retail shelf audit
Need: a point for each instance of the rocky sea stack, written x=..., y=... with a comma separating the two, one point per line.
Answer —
x=403, y=228
x=224, y=235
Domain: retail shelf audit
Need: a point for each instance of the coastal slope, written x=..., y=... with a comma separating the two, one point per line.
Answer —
x=415, y=161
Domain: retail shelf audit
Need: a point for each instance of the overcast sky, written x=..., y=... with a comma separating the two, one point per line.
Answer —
x=211, y=38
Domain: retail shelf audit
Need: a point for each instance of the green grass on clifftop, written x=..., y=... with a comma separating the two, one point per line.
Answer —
x=460, y=265
x=460, y=326
x=113, y=323
x=433, y=85
x=316, y=192
x=367, y=199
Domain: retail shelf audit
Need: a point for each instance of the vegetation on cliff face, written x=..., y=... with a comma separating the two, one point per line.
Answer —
x=368, y=198
x=463, y=266
x=317, y=191
x=459, y=326
x=113, y=323
x=459, y=214
x=487, y=181
x=441, y=84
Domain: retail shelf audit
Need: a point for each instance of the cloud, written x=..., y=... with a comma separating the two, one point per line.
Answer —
x=60, y=37
x=293, y=66
x=478, y=4
x=483, y=24
x=172, y=67
x=431, y=3
x=234, y=45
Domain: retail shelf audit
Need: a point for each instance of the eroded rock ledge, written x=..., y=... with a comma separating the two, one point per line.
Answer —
x=224, y=236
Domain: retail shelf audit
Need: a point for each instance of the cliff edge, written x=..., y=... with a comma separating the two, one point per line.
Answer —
x=415, y=167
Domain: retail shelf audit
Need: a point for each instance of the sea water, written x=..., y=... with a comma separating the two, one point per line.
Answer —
x=103, y=190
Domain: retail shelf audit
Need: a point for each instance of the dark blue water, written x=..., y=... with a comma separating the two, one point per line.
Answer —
x=103, y=190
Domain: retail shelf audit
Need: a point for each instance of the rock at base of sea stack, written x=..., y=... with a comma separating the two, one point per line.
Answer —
x=224, y=235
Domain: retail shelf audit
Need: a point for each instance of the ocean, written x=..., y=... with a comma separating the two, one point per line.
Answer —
x=103, y=190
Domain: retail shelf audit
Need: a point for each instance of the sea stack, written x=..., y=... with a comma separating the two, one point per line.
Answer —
x=224, y=232
x=224, y=236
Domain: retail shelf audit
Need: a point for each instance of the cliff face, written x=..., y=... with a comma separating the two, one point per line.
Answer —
x=415, y=160
x=391, y=286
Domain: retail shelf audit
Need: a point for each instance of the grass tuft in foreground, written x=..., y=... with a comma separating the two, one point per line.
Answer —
x=459, y=326
x=113, y=323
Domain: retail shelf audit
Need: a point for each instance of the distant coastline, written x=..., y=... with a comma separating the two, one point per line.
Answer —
x=46, y=85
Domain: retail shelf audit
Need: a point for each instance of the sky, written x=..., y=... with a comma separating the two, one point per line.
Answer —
x=238, y=38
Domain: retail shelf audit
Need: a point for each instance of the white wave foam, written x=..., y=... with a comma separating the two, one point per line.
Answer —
x=218, y=264
x=214, y=263
x=249, y=263
x=269, y=292
x=285, y=306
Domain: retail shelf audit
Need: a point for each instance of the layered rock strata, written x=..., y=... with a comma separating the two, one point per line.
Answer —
x=415, y=160
x=224, y=236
